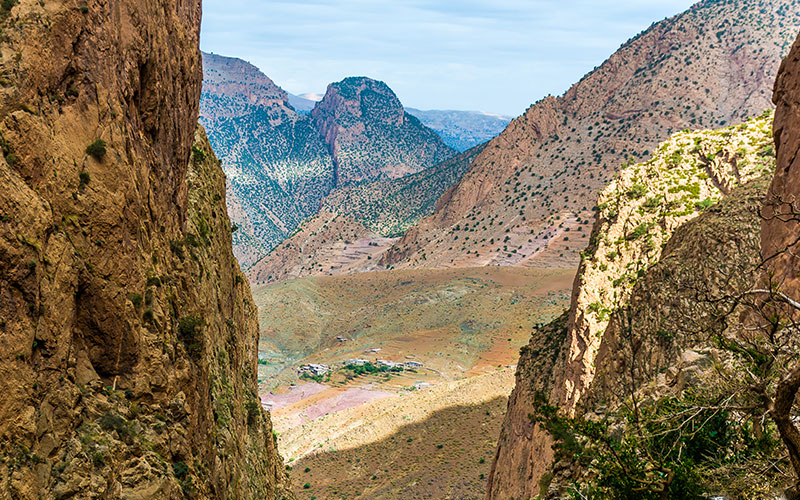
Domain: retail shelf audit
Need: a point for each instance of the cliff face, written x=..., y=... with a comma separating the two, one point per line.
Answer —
x=710, y=66
x=782, y=210
x=129, y=334
x=659, y=253
x=371, y=136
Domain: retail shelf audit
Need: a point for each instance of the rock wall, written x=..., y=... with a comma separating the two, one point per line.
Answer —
x=643, y=217
x=128, y=332
x=781, y=225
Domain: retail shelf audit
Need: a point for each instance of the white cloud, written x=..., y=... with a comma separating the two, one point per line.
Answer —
x=498, y=55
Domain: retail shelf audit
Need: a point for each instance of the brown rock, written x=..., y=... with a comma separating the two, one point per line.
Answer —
x=118, y=289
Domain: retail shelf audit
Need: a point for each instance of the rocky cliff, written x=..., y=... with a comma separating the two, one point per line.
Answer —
x=650, y=272
x=129, y=334
x=710, y=66
x=780, y=228
x=371, y=136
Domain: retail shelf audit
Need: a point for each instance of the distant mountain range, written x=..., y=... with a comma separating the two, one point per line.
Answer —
x=462, y=130
x=304, y=103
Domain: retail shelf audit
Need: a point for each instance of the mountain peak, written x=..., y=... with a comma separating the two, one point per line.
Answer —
x=371, y=136
x=244, y=86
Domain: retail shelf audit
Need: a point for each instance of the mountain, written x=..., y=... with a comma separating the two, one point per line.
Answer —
x=359, y=222
x=128, y=333
x=277, y=165
x=654, y=240
x=303, y=103
x=281, y=163
x=462, y=130
x=370, y=135
x=709, y=66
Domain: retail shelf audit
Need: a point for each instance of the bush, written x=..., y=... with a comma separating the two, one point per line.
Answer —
x=111, y=422
x=135, y=299
x=189, y=334
x=97, y=149
x=636, y=191
x=84, y=178
x=198, y=154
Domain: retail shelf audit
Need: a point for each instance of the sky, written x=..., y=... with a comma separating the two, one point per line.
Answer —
x=497, y=56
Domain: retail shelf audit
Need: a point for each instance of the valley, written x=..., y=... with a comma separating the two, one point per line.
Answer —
x=460, y=330
x=214, y=289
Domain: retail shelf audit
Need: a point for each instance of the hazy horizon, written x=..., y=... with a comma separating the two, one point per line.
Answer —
x=498, y=57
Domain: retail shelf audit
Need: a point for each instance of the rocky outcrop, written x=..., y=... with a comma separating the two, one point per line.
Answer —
x=708, y=67
x=370, y=135
x=656, y=247
x=128, y=332
x=782, y=211
x=638, y=213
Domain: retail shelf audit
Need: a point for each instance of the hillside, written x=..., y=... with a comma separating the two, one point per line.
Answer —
x=462, y=130
x=673, y=236
x=453, y=320
x=359, y=222
x=709, y=66
x=370, y=135
x=277, y=165
x=281, y=163
x=404, y=445
x=128, y=333
x=464, y=326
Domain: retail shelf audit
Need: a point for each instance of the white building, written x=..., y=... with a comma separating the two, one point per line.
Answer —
x=317, y=370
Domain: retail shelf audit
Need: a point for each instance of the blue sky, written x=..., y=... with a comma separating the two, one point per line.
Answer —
x=498, y=56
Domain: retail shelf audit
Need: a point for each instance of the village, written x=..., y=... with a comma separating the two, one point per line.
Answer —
x=315, y=370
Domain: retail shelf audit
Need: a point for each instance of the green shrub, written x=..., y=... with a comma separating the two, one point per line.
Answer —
x=636, y=191
x=135, y=299
x=84, y=178
x=189, y=333
x=97, y=149
x=198, y=155
x=111, y=422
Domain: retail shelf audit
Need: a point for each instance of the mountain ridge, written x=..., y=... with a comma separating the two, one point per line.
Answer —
x=281, y=164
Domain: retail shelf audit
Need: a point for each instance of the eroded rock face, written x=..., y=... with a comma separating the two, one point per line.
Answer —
x=781, y=226
x=661, y=236
x=371, y=136
x=129, y=336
